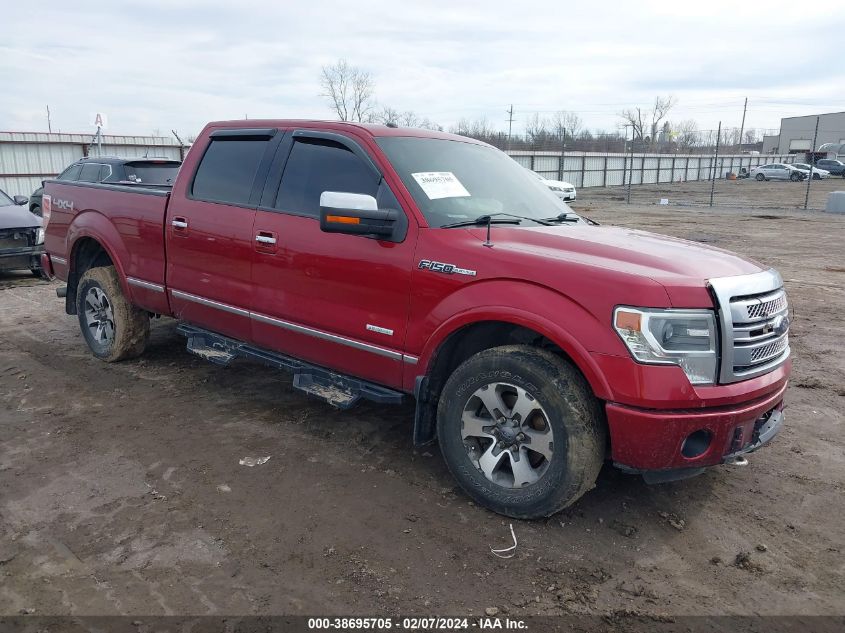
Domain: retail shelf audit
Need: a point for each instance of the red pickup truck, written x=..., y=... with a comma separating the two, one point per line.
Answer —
x=377, y=262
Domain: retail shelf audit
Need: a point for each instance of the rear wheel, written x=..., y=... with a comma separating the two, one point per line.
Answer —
x=521, y=431
x=760, y=177
x=113, y=328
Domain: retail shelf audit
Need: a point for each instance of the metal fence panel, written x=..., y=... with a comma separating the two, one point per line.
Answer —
x=27, y=158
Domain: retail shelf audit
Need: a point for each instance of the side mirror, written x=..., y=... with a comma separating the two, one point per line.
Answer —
x=355, y=214
x=21, y=199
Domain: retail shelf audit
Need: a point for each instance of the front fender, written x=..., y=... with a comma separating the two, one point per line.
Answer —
x=553, y=315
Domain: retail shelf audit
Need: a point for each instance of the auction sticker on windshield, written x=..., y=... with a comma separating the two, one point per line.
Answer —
x=440, y=184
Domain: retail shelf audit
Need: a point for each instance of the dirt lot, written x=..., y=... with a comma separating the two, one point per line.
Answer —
x=121, y=491
x=738, y=194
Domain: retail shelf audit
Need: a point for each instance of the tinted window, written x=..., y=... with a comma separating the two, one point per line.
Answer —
x=152, y=173
x=227, y=171
x=105, y=172
x=90, y=172
x=317, y=166
x=71, y=173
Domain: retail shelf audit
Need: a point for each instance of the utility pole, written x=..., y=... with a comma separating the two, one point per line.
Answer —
x=510, y=124
x=631, y=175
x=49, y=125
x=742, y=127
x=715, y=160
x=812, y=162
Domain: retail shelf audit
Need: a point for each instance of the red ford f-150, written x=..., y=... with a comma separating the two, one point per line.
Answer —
x=378, y=262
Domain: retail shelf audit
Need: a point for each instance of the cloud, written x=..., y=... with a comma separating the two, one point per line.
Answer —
x=177, y=64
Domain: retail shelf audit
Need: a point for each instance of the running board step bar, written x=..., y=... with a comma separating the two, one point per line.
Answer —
x=338, y=390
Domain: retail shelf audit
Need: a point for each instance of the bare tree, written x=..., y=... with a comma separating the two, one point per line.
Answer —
x=645, y=121
x=385, y=115
x=662, y=106
x=750, y=136
x=477, y=128
x=348, y=89
x=536, y=130
x=686, y=134
x=563, y=123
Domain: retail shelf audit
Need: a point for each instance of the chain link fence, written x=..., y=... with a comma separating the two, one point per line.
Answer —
x=707, y=168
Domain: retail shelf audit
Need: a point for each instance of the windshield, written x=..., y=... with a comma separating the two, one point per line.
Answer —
x=4, y=199
x=453, y=181
x=152, y=173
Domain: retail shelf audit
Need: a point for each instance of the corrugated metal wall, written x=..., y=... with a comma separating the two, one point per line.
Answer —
x=27, y=158
x=607, y=170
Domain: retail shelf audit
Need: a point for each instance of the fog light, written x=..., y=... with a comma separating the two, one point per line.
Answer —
x=696, y=444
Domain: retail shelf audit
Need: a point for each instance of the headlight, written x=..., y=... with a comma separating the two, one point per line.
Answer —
x=39, y=236
x=686, y=338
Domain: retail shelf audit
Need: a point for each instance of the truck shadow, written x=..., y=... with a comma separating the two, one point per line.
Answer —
x=266, y=394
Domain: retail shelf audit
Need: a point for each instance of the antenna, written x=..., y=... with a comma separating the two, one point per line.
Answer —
x=488, y=243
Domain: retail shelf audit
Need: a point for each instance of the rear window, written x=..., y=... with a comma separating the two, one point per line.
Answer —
x=152, y=173
x=227, y=170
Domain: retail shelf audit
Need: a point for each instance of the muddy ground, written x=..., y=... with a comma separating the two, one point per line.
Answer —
x=121, y=490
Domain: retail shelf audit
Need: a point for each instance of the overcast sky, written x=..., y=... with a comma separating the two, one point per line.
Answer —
x=164, y=64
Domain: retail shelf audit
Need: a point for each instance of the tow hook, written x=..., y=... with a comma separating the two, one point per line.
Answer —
x=737, y=460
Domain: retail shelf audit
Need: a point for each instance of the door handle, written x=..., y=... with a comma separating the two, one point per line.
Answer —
x=265, y=239
x=179, y=223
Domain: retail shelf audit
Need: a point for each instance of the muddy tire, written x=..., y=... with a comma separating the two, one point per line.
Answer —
x=521, y=431
x=113, y=328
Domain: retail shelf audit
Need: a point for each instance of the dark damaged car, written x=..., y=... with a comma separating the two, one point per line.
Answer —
x=21, y=235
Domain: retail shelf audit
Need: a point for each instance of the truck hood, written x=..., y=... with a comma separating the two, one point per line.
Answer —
x=15, y=216
x=682, y=267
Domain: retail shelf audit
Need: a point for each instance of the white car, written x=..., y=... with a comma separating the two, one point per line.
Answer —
x=818, y=173
x=563, y=190
x=778, y=171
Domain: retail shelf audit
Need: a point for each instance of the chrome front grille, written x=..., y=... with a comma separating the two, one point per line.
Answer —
x=754, y=319
x=765, y=306
x=770, y=350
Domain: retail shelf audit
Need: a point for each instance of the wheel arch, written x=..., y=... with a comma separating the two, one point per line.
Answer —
x=89, y=249
x=468, y=334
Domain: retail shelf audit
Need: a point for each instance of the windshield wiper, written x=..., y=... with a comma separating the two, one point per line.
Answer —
x=492, y=218
x=563, y=217
x=481, y=220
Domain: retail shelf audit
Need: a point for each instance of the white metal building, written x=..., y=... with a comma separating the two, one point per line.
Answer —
x=796, y=133
x=27, y=158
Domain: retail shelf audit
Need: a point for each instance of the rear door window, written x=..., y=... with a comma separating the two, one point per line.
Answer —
x=105, y=172
x=71, y=173
x=90, y=172
x=227, y=170
x=315, y=166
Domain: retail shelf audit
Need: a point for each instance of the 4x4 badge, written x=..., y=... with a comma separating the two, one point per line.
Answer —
x=446, y=269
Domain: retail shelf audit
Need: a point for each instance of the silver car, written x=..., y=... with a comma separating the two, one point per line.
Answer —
x=778, y=171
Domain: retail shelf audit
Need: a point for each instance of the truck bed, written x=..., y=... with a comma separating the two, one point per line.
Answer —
x=127, y=219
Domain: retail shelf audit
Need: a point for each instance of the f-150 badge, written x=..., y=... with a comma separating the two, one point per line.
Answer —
x=446, y=269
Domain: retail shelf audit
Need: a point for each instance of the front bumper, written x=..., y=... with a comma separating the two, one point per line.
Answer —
x=652, y=440
x=23, y=258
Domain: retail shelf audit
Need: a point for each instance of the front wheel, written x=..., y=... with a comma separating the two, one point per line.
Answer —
x=760, y=177
x=795, y=177
x=521, y=431
x=113, y=328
